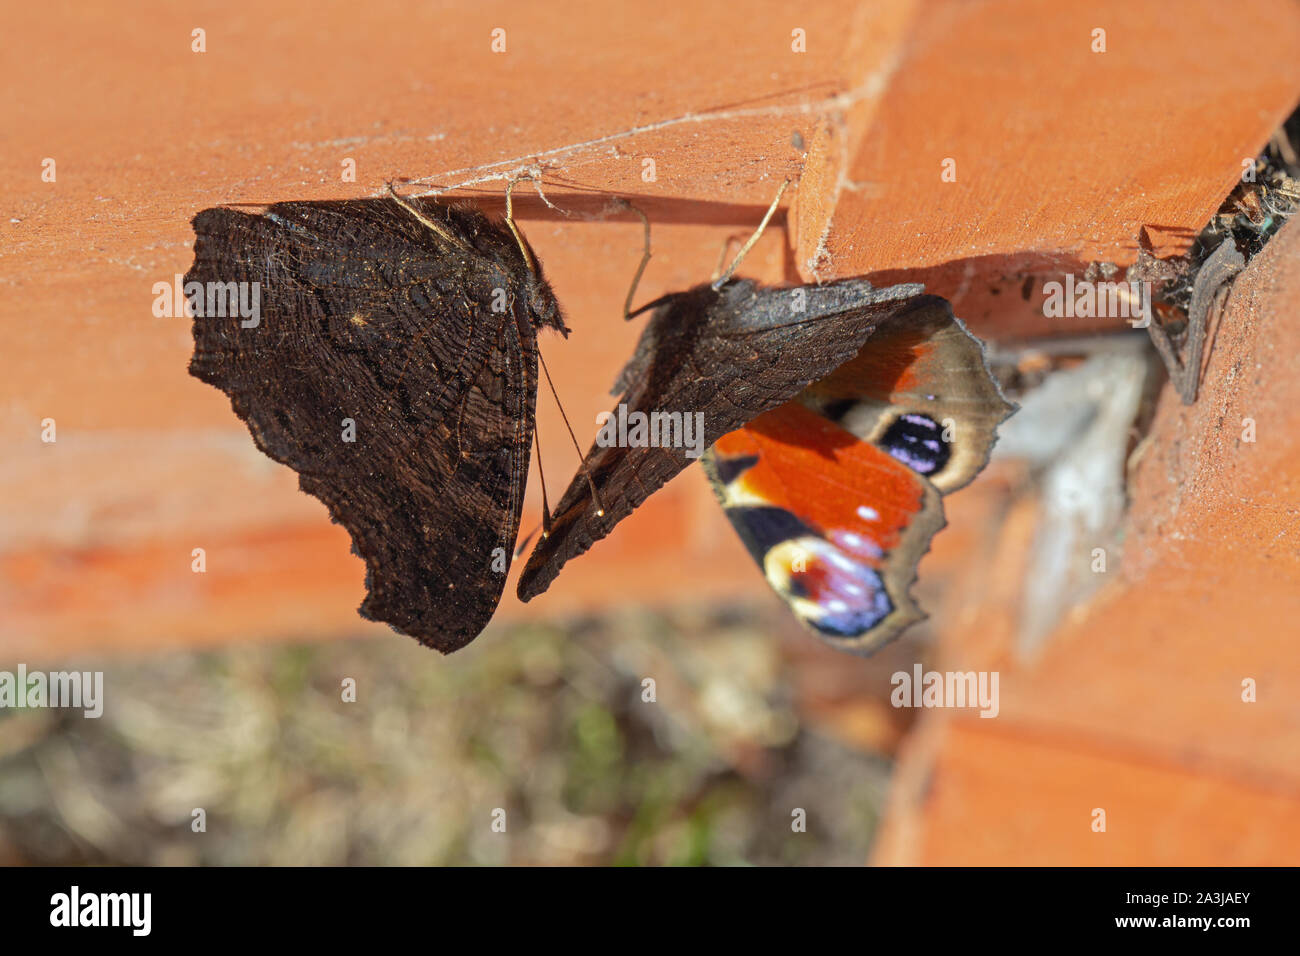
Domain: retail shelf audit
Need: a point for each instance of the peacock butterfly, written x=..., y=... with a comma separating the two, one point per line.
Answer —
x=878, y=403
x=837, y=493
x=727, y=354
x=393, y=365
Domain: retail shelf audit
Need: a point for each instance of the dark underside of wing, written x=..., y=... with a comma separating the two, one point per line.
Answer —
x=377, y=369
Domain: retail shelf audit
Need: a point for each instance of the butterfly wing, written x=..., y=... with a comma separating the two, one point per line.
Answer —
x=921, y=389
x=728, y=355
x=836, y=524
x=378, y=370
x=837, y=493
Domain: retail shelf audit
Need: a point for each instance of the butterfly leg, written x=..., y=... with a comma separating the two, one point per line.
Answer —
x=438, y=229
x=719, y=282
x=526, y=249
x=719, y=277
x=723, y=253
x=1209, y=294
x=640, y=269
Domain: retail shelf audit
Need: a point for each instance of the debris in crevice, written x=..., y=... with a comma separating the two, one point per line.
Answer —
x=1185, y=295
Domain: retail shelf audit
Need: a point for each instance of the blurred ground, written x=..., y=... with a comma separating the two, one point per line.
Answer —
x=547, y=724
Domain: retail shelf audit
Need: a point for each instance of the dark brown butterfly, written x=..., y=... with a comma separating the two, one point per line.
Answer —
x=392, y=363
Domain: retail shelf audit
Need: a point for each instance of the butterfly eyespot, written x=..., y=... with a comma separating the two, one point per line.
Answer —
x=917, y=441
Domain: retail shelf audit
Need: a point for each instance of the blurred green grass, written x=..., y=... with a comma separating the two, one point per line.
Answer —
x=546, y=723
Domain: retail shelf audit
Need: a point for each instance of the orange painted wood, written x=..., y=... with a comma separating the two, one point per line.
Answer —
x=1063, y=154
x=1135, y=705
x=1004, y=797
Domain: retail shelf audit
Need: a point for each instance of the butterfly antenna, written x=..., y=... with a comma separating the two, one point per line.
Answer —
x=595, y=495
x=640, y=270
x=437, y=228
x=744, y=250
x=523, y=545
x=541, y=473
x=529, y=258
x=545, y=523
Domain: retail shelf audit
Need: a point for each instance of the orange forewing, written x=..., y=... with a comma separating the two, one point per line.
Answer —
x=825, y=476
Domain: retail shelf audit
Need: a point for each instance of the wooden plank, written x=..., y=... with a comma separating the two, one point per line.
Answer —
x=1139, y=703
x=1060, y=155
